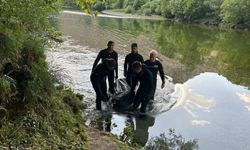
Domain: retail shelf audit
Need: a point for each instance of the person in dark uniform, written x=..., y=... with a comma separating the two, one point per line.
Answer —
x=154, y=66
x=129, y=59
x=98, y=80
x=145, y=90
x=109, y=52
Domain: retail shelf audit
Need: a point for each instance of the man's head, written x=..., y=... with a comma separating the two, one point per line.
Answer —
x=134, y=48
x=109, y=63
x=153, y=55
x=111, y=45
x=137, y=67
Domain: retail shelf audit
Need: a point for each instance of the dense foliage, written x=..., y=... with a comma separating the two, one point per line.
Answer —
x=235, y=13
x=173, y=141
x=32, y=112
x=24, y=31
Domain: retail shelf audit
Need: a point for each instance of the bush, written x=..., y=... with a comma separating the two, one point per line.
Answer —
x=73, y=101
x=5, y=90
x=185, y=10
x=3, y=114
x=171, y=142
x=158, y=11
x=236, y=11
x=129, y=9
x=138, y=3
x=70, y=4
x=118, y=4
x=128, y=3
x=99, y=6
x=147, y=12
x=196, y=9
x=165, y=9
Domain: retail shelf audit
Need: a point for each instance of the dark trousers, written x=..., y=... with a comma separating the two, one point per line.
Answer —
x=154, y=88
x=100, y=87
x=111, y=78
x=130, y=78
x=142, y=97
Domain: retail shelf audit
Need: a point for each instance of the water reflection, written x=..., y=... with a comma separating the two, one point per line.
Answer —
x=137, y=129
x=142, y=124
x=190, y=100
x=200, y=122
x=187, y=50
x=245, y=98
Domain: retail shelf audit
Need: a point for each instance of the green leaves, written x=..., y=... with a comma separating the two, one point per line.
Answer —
x=236, y=11
x=87, y=6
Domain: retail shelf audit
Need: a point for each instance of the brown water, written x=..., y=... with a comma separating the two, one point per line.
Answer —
x=210, y=71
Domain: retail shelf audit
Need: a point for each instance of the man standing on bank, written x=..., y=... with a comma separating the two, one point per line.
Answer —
x=109, y=52
x=98, y=80
x=154, y=66
x=129, y=59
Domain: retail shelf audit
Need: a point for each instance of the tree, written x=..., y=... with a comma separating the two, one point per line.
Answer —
x=138, y=3
x=119, y=4
x=236, y=11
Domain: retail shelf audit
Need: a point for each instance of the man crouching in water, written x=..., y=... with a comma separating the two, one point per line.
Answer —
x=98, y=80
x=145, y=90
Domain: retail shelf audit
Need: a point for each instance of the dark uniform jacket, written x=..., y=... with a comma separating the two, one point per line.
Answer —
x=100, y=72
x=146, y=82
x=103, y=54
x=154, y=67
x=130, y=58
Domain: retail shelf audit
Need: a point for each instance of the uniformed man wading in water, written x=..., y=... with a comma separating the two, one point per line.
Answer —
x=154, y=66
x=98, y=80
x=109, y=52
x=146, y=86
x=129, y=59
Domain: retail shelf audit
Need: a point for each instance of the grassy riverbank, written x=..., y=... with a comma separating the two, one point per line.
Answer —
x=34, y=113
x=55, y=123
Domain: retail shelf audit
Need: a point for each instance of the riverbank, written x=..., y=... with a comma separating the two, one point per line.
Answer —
x=209, y=22
x=121, y=13
x=54, y=124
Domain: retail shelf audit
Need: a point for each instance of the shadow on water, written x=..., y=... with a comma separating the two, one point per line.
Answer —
x=208, y=93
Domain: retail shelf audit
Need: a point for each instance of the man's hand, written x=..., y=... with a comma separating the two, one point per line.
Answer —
x=162, y=85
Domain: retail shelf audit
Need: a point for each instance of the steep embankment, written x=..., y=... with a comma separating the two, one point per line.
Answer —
x=34, y=113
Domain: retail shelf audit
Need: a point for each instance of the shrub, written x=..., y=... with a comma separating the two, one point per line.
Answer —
x=99, y=6
x=171, y=142
x=138, y=3
x=5, y=90
x=236, y=11
x=147, y=12
x=129, y=9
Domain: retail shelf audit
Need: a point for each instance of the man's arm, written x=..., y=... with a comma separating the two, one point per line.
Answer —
x=161, y=72
x=97, y=60
x=116, y=68
x=134, y=83
x=125, y=66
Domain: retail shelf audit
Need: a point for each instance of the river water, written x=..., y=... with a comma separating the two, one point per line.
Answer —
x=207, y=95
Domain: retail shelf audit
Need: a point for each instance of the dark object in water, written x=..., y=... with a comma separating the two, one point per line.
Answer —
x=123, y=98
